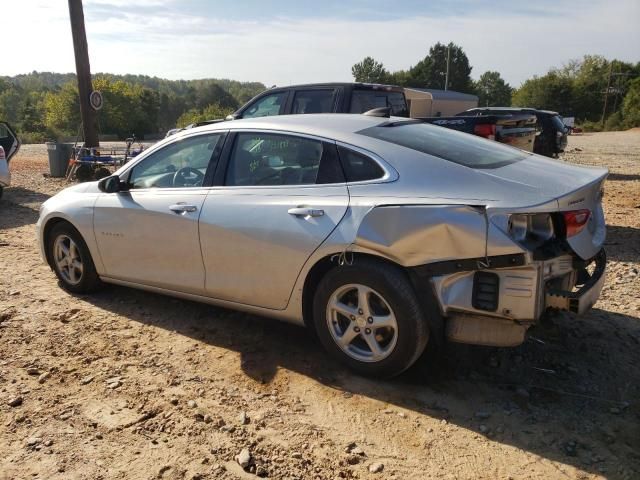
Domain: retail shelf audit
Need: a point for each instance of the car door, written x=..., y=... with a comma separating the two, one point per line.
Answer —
x=279, y=197
x=8, y=141
x=10, y=145
x=148, y=234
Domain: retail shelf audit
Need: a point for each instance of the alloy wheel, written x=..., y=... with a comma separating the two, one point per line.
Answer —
x=66, y=255
x=362, y=323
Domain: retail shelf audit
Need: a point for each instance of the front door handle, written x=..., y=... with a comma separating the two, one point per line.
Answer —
x=305, y=212
x=183, y=208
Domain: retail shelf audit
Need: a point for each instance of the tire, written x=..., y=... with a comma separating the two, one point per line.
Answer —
x=84, y=173
x=390, y=298
x=75, y=269
x=101, y=173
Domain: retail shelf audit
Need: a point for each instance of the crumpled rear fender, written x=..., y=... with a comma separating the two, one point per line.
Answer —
x=414, y=235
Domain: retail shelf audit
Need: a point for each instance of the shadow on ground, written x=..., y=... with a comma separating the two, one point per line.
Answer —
x=20, y=206
x=623, y=243
x=568, y=394
x=622, y=177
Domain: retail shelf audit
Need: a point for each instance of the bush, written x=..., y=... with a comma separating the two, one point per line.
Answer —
x=33, y=137
x=614, y=122
x=591, y=126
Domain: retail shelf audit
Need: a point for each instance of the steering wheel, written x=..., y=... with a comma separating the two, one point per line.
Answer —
x=188, y=177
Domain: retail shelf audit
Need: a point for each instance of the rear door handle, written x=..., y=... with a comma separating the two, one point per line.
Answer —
x=305, y=212
x=182, y=208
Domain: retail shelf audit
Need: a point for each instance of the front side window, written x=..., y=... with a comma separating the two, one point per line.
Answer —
x=266, y=106
x=273, y=159
x=462, y=148
x=313, y=101
x=181, y=164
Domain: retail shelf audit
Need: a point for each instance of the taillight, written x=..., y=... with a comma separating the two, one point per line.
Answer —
x=575, y=221
x=485, y=130
x=1, y=153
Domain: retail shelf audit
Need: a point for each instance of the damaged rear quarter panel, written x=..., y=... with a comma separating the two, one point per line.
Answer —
x=414, y=235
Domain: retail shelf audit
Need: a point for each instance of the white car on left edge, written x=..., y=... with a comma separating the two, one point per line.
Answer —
x=9, y=145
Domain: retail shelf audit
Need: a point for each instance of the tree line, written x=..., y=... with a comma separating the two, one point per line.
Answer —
x=44, y=106
x=576, y=89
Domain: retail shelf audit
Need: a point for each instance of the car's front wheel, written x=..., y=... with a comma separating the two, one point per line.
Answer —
x=367, y=316
x=71, y=260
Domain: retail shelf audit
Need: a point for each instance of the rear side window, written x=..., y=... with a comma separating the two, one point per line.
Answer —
x=365, y=100
x=462, y=148
x=358, y=167
x=275, y=159
x=313, y=101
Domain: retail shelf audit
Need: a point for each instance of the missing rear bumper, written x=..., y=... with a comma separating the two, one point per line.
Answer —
x=587, y=295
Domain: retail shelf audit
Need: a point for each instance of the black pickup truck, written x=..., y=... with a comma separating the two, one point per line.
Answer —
x=551, y=132
x=517, y=129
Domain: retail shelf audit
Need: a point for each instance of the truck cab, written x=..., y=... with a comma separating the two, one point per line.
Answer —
x=325, y=98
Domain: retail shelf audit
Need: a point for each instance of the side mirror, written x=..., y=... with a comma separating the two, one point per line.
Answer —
x=233, y=116
x=111, y=184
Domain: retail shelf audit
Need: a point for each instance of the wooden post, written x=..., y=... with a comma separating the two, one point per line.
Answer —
x=606, y=94
x=83, y=71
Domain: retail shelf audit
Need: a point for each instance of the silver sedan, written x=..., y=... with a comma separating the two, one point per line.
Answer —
x=379, y=234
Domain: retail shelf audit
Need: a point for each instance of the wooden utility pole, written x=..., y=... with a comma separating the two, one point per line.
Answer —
x=83, y=71
x=606, y=94
x=446, y=78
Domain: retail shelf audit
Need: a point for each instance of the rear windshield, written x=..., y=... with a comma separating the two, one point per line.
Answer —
x=462, y=148
x=365, y=100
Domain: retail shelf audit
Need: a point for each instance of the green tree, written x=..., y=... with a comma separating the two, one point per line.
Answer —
x=399, y=77
x=11, y=101
x=551, y=91
x=493, y=91
x=62, y=109
x=369, y=71
x=431, y=71
x=631, y=105
x=32, y=114
x=211, y=112
x=209, y=92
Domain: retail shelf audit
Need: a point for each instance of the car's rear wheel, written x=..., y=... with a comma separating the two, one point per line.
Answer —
x=368, y=317
x=71, y=260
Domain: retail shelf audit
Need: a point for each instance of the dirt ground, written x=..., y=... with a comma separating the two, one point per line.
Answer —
x=133, y=385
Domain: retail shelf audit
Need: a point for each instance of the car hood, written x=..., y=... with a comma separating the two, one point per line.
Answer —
x=85, y=187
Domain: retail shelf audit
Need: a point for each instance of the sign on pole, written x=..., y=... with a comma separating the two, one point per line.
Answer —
x=95, y=100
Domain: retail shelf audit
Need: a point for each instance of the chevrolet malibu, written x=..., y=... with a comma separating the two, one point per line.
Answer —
x=379, y=234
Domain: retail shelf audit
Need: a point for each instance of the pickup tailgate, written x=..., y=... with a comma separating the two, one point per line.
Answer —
x=517, y=130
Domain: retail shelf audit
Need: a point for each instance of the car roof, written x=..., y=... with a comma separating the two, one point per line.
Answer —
x=336, y=126
x=363, y=85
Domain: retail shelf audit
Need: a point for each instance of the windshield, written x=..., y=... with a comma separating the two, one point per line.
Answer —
x=462, y=148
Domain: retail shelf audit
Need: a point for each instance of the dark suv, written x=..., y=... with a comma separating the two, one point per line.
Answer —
x=325, y=98
x=551, y=135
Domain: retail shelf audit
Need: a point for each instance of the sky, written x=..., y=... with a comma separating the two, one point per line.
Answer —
x=283, y=42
